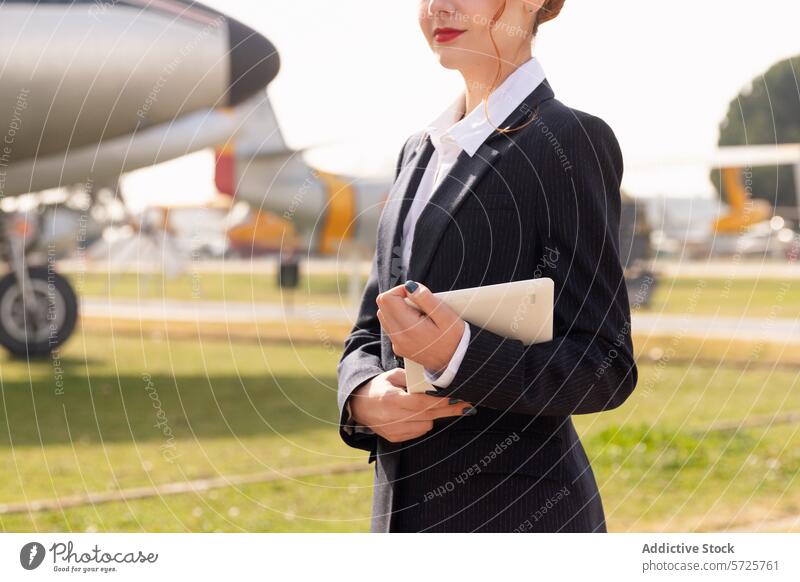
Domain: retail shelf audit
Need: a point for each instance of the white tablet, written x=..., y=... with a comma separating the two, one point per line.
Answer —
x=521, y=310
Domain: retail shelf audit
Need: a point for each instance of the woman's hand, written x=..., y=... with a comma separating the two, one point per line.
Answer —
x=383, y=405
x=429, y=337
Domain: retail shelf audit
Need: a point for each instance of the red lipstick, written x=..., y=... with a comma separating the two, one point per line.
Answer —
x=446, y=34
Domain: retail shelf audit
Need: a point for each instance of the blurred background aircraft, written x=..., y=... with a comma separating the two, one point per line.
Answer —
x=743, y=220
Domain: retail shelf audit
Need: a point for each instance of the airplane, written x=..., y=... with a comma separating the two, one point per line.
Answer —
x=90, y=90
x=331, y=213
x=740, y=222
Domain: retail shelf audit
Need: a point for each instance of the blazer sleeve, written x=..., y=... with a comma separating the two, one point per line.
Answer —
x=589, y=365
x=361, y=359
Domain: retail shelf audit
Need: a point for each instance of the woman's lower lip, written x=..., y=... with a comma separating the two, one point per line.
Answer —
x=447, y=36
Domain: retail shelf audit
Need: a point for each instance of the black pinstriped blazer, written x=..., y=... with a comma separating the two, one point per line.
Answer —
x=543, y=201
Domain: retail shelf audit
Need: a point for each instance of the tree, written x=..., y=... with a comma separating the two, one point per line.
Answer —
x=767, y=112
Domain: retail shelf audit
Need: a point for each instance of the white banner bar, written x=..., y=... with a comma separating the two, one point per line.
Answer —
x=349, y=557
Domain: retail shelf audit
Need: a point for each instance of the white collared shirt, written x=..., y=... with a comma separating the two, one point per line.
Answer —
x=450, y=134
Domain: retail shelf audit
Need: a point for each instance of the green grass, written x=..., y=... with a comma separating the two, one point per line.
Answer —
x=241, y=408
x=657, y=478
x=339, y=503
x=323, y=289
x=229, y=408
x=729, y=297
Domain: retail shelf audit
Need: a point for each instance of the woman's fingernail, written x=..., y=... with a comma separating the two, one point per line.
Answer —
x=469, y=411
x=455, y=400
x=432, y=392
x=411, y=286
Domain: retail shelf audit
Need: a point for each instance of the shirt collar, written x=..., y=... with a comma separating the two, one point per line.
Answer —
x=471, y=131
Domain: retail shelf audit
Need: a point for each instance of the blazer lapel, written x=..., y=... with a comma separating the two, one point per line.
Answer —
x=462, y=179
x=395, y=209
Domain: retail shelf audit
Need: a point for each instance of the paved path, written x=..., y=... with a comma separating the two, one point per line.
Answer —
x=698, y=326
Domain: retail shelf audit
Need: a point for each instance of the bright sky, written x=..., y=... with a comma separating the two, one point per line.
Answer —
x=357, y=78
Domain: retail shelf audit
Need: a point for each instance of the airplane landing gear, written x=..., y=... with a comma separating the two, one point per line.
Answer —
x=35, y=322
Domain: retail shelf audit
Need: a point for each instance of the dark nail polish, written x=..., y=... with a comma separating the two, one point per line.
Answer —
x=432, y=392
x=411, y=286
x=471, y=411
x=455, y=400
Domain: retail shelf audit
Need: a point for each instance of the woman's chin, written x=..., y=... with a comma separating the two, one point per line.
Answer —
x=451, y=59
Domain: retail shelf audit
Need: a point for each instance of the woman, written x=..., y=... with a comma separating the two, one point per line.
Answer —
x=507, y=184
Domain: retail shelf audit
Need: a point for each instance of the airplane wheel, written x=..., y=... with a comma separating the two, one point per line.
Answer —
x=36, y=337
